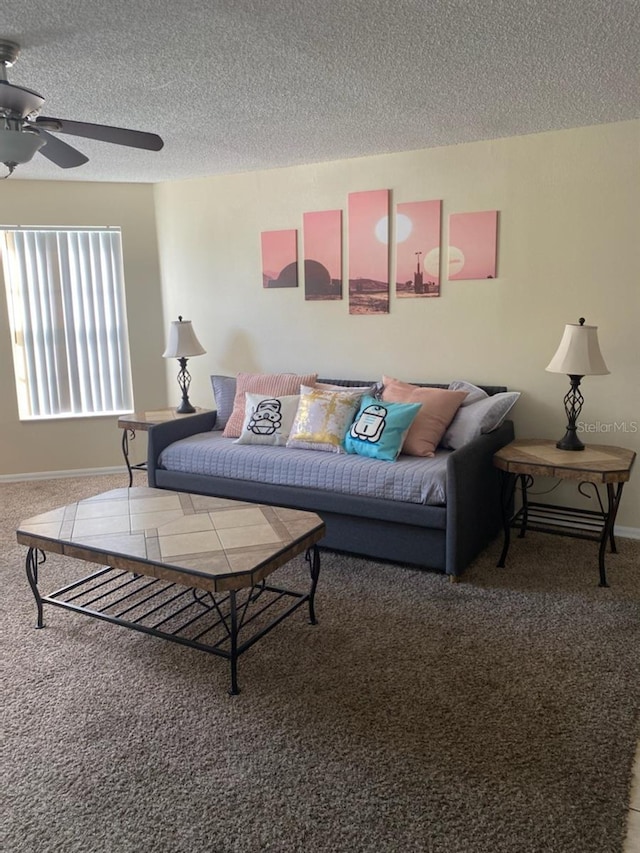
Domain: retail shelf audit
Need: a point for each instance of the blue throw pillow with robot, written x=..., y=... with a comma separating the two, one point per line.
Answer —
x=379, y=429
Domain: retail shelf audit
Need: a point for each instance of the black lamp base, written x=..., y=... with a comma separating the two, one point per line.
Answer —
x=184, y=380
x=185, y=408
x=572, y=406
x=570, y=441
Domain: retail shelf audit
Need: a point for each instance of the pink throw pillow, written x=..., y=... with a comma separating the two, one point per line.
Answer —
x=438, y=409
x=269, y=384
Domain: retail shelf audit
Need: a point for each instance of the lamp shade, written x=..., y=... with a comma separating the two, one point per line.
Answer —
x=579, y=352
x=183, y=342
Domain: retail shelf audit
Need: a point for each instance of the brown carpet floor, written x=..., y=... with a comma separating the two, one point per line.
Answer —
x=499, y=714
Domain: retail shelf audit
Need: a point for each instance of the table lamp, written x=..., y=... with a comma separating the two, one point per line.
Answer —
x=183, y=344
x=578, y=355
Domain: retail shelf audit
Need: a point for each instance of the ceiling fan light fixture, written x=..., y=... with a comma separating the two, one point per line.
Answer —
x=18, y=146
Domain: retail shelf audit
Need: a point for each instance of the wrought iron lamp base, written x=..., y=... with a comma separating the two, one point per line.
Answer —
x=184, y=380
x=573, y=406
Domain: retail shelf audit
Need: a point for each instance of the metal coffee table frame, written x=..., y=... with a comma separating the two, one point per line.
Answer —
x=172, y=611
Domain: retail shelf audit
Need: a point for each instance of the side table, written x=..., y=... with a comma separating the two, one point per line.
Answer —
x=596, y=465
x=143, y=421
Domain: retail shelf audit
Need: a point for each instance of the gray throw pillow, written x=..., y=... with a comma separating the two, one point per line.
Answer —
x=224, y=392
x=473, y=392
x=482, y=416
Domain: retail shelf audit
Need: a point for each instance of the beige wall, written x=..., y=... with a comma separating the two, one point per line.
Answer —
x=568, y=247
x=77, y=443
x=569, y=225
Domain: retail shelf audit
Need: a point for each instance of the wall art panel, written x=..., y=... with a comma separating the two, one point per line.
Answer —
x=368, y=230
x=280, y=258
x=473, y=245
x=418, y=226
x=322, y=238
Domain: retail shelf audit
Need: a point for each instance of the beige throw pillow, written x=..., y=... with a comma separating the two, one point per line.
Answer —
x=439, y=407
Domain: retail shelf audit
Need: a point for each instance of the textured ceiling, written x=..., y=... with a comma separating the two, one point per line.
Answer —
x=237, y=85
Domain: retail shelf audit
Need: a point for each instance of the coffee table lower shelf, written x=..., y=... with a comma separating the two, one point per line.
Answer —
x=223, y=624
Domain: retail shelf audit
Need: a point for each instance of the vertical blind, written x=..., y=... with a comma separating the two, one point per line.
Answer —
x=67, y=309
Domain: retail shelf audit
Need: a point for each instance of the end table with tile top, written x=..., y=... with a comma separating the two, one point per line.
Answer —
x=596, y=465
x=143, y=421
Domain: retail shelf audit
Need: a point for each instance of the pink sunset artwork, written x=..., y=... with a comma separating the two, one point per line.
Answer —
x=369, y=252
x=418, y=249
x=279, y=258
x=473, y=245
x=322, y=236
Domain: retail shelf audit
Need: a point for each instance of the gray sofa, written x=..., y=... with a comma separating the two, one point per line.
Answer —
x=444, y=536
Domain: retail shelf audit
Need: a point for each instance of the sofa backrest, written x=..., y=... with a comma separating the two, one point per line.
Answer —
x=347, y=383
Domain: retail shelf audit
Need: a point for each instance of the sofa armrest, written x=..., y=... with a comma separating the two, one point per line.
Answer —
x=474, y=508
x=162, y=435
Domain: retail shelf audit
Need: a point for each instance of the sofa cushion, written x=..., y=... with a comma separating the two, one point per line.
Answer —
x=410, y=480
x=323, y=418
x=268, y=420
x=224, y=393
x=480, y=417
x=379, y=429
x=438, y=407
x=269, y=384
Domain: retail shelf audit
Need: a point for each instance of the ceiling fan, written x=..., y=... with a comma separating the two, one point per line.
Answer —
x=24, y=132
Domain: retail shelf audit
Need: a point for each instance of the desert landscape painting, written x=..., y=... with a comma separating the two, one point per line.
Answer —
x=417, y=228
x=473, y=245
x=322, y=241
x=368, y=229
x=280, y=258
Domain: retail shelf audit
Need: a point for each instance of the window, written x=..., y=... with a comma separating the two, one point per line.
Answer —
x=65, y=293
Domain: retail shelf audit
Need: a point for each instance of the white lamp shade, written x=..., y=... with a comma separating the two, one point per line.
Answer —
x=18, y=146
x=579, y=352
x=183, y=342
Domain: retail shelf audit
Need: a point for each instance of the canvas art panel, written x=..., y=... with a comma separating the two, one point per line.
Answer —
x=473, y=245
x=418, y=225
x=368, y=230
x=322, y=241
x=279, y=258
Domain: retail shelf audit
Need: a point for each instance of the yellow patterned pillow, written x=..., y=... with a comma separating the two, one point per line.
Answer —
x=323, y=418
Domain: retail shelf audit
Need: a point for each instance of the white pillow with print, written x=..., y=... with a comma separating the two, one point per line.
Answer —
x=268, y=420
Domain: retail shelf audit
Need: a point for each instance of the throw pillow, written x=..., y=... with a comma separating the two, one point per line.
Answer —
x=439, y=406
x=268, y=384
x=478, y=418
x=224, y=392
x=323, y=418
x=364, y=389
x=473, y=392
x=379, y=429
x=268, y=420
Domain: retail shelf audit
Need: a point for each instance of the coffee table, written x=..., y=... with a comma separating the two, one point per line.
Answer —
x=187, y=568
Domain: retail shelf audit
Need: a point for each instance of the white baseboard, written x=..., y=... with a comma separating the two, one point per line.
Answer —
x=622, y=532
x=59, y=475
x=627, y=532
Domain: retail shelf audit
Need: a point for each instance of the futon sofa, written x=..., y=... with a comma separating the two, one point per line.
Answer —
x=437, y=513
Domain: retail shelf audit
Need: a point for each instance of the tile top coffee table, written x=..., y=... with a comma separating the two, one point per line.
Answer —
x=187, y=568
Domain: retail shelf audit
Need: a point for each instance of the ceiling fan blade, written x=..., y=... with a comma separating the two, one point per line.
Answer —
x=60, y=153
x=17, y=99
x=104, y=133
